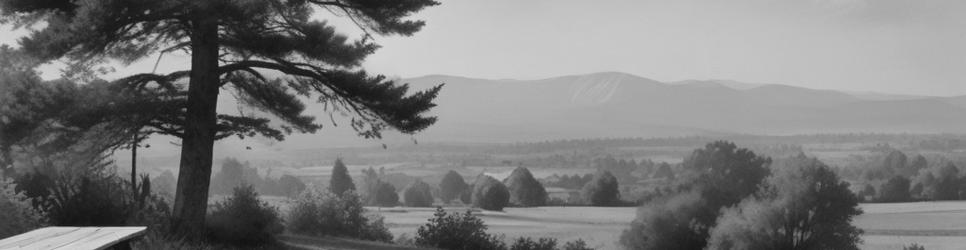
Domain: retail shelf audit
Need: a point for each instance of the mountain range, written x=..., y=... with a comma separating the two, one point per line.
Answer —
x=612, y=104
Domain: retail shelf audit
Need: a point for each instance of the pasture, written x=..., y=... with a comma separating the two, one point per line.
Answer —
x=936, y=225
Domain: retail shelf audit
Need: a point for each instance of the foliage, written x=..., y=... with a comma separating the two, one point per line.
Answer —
x=802, y=206
x=452, y=186
x=715, y=177
x=164, y=184
x=526, y=243
x=578, y=244
x=456, y=231
x=243, y=219
x=603, y=190
x=231, y=45
x=319, y=212
x=525, y=190
x=671, y=223
x=664, y=171
x=19, y=215
x=895, y=189
x=378, y=192
x=914, y=246
x=418, y=194
x=490, y=194
x=235, y=173
x=340, y=181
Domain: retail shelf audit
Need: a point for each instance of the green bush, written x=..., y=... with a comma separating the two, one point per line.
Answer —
x=18, y=214
x=490, y=194
x=418, y=194
x=319, y=212
x=525, y=190
x=603, y=190
x=456, y=231
x=243, y=220
x=526, y=243
x=452, y=186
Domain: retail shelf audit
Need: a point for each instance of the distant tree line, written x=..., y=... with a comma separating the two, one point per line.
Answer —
x=234, y=174
x=894, y=177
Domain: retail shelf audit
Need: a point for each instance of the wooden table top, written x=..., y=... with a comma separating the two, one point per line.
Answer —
x=80, y=238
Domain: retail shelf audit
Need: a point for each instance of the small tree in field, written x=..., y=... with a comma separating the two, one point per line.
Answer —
x=451, y=186
x=603, y=190
x=418, y=194
x=803, y=206
x=340, y=181
x=490, y=194
x=525, y=190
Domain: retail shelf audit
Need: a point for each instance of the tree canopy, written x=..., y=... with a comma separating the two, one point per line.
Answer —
x=340, y=181
x=233, y=45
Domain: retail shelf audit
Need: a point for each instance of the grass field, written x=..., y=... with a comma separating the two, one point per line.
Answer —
x=936, y=225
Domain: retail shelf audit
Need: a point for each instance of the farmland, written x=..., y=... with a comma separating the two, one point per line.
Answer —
x=936, y=225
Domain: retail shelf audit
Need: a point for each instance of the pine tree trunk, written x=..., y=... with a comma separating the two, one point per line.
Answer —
x=197, y=145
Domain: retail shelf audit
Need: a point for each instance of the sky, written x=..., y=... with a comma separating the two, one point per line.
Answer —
x=890, y=46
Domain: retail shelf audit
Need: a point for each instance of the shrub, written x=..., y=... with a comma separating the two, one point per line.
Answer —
x=418, y=194
x=452, y=186
x=914, y=246
x=803, y=206
x=525, y=190
x=340, y=182
x=490, y=194
x=526, y=243
x=290, y=186
x=603, y=190
x=456, y=231
x=18, y=214
x=578, y=244
x=668, y=224
x=243, y=219
x=318, y=212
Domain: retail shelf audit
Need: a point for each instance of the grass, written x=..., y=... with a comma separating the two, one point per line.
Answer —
x=935, y=225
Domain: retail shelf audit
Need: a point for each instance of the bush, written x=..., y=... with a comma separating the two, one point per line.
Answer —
x=418, y=194
x=452, y=186
x=578, y=244
x=914, y=246
x=525, y=190
x=490, y=194
x=18, y=214
x=243, y=220
x=603, y=190
x=456, y=231
x=668, y=224
x=319, y=212
x=526, y=243
x=803, y=206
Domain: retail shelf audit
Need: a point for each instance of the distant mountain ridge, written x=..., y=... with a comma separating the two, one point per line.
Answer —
x=614, y=104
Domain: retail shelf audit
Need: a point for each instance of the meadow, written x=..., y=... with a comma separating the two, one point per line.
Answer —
x=935, y=225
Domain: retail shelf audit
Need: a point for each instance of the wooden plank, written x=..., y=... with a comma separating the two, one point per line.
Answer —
x=72, y=238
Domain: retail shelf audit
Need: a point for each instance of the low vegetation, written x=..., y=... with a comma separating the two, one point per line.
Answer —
x=18, y=215
x=319, y=212
x=244, y=220
x=456, y=231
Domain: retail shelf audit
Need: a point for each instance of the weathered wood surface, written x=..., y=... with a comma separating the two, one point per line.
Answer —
x=80, y=238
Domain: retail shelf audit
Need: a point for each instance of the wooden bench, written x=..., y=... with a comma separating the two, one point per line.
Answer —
x=80, y=238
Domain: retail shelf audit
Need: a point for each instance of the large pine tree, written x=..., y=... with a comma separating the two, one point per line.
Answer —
x=340, y=181
x=232, y=44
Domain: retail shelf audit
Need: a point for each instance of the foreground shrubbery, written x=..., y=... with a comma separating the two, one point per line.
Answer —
x=18, y=214
x=242, y=219
x=466, y=231
x=319, y=212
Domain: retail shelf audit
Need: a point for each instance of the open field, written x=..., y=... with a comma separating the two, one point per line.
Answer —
x=936, y=225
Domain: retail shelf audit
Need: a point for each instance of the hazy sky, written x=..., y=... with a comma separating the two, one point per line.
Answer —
x=894, y=46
